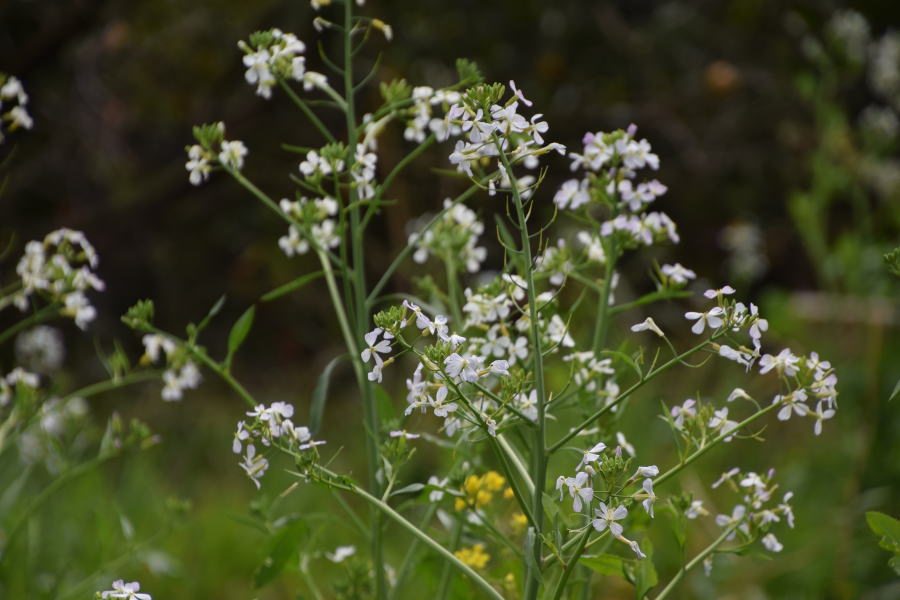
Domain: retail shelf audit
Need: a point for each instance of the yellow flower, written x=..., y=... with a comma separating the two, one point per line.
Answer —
x=472, y=484
x=474, y=557
x=518, y=521
x=508, y=493
x=459, y=504
x=494, y=481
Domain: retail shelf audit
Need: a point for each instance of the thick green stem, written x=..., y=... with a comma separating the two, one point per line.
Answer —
x=538, y=451
x=572, y=563
x=360, y=311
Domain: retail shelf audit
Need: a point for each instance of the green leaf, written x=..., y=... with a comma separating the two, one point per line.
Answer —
x=212, y=313
x=290, y=286
x=645, y=571
x=282, y=547
x=239, y=333
x=894, y=563
x=385, y=404
x=410, y=489
x=320, y=396
x=530, y=541
x=883, y=525
x=895, y=392
x=605, y=564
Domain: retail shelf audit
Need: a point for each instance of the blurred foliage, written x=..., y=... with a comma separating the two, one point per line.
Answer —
x=753, y=128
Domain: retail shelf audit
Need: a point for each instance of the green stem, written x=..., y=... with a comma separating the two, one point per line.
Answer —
x=453, y=290
x=649, y=376
x=428, y=541
x=444, y=585
x=45, y=314
x=307, y=111
x=411, y=553
x=538, y=452
x=360, y=311
x=694, y=562
x=572, y=563
x=601, y=326
x=665, y=294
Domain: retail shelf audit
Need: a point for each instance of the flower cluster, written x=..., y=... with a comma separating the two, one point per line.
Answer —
x=611, y=162
x=181, y=372
x=213, y=147
x=15, y=380
x=489, y=127
x=752, y=518
x=421, y=117
x=272, y=55
x=270, y=425
x=479, y=490
x=61, y=268
x=594, y=466
x=313, y=222
x=452, y=238
x=13, y=94
x=40, y=348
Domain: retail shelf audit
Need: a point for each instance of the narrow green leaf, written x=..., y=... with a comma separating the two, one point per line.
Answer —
x=282, y=548
x=895, y=392
x=410, y=489
x=645, y=571
x=239, y=332
x=290, y=286
x=320, y=396
x=384, y=404
x=530, y=541
x=212, y=313
x=605, y=564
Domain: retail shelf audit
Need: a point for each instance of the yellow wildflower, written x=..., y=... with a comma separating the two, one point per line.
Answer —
x=508, y=493
x=518, y=521
x=494, y=481
x=474, y=557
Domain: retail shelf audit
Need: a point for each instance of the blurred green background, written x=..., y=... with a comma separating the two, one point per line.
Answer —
x=777, y=180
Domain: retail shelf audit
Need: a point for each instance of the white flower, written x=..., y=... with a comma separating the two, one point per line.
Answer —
x=785, y=363
x=695, y=510
x=793, y=403
x=232, y=154
x=197, y=165
x=375, y=374
x=607, y=517
x=255, y=466
x=592, y=454
x=771, y=543
x=742, y=358
x=721, y=424
x=623, y=443
x=340, y=553
x=737, y=393
x=580, y=490
x=518, y=93
x=404, y=434
x=678, y=274
x=736, y=518
x=725, y=291
x=821, y=415
x=500, y=367
x=436, y=495
x=374, y=347
x=239, y=436
x=711, y=317
x=651, y=471
x=465, y=368
x=726, y=476
x=687, y=409
x=648, y=325
x=572, y=194
x=129, y=591
x=648, y=497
